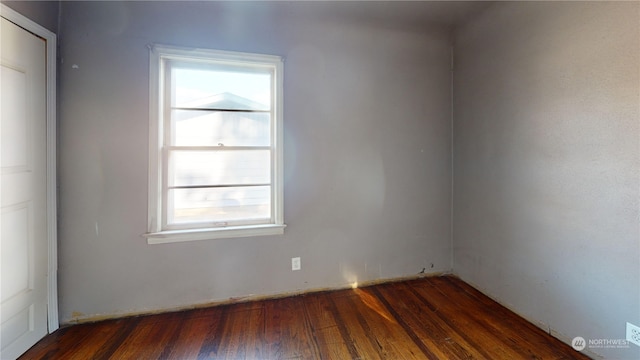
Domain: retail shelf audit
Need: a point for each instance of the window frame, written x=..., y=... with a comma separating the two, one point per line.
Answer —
x=158, y=231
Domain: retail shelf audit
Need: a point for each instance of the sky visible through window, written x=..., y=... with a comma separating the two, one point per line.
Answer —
x=193, y=84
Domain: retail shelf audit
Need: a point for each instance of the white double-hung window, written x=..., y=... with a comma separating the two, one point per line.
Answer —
x=215, y=154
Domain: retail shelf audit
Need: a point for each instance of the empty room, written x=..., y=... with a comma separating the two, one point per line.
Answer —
x=320, y=180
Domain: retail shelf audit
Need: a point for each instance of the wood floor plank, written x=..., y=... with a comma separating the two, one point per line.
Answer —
x=507, y=323
x=477, y=313
x=98, y=337
x=62, y=343
x=384, y=332
x=346, y=310
x=211, y=343
x=187, y=340
x=464, y=318
x=244, y=332
x=325, y=331
x=288, y=333
x=429, y=318
x=146, y=341
x=197, y=328
x=438, y=340
x=341, y=325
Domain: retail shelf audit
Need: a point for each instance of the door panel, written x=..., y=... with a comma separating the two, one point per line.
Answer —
x=14, y=128
x=16, y=257
x=23, y=203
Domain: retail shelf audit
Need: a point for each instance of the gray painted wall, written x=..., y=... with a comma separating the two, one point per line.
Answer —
x=546, y=158
x=44, y=13
x=367, y=144
x=547, y=164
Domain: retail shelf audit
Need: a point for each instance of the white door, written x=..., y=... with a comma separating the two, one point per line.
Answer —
x=23, y=195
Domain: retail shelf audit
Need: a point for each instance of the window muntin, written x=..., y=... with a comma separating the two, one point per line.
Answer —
x=219, y=153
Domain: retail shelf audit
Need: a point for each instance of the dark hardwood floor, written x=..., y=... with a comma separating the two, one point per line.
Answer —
x=428, y=318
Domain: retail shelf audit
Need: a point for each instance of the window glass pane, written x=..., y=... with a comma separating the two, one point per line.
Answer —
x=224, y=167
x=205, y=128
x=220, y=205
x=206, y=88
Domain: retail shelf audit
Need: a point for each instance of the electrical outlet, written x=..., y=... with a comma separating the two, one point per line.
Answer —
x=295, y=264
x=633, y=333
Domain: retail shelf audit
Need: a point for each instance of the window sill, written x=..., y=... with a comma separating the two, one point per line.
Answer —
x=171, y=236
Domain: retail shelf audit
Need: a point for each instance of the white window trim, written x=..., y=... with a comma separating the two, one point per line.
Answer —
x=155, y=234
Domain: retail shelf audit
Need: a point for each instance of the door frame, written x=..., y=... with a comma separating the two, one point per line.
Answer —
x=52, y=228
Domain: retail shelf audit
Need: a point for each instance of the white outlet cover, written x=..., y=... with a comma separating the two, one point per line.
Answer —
x=295, y=264
x=633, y=334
